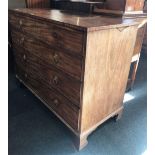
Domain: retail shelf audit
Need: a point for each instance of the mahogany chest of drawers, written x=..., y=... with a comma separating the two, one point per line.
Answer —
x=77, y=65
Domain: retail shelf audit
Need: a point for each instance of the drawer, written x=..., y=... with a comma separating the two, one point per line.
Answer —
x=52, y=78
x=61, y=105
x=53, y=35
x=21, y=22
x=56, y=58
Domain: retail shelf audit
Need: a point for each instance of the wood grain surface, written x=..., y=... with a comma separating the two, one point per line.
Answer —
x=65, y=85
x=52, y=56
x=72, y=21
x=134, y=5
x=52, y=34
x=106, y=70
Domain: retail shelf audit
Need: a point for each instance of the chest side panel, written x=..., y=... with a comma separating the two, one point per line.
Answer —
x=108, y=57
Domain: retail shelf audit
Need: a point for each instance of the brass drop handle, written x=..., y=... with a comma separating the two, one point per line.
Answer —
x=56, y=102
x=55, y=35
x=24, y=57
x=25, y=75
x=9, y=44
x=20, y=23
x=22, y=40
x=56, y=59
x=55, y=80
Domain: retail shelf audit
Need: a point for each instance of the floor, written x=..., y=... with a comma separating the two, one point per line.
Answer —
x=34, y=130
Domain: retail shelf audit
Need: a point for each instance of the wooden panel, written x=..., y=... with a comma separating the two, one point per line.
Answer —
x=130, y=5
x=139, y=4
x=134, y=5
x=106, y=72
x=53, y=57
x=49, y=33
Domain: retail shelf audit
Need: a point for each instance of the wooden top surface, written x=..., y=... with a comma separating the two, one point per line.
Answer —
x=79, y=21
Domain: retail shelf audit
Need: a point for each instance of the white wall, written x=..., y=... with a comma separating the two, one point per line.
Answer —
x=16, y=3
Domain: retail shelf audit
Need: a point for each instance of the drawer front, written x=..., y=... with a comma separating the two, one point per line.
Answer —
x=63, y=107
x=53, y=35
x=52, y=78
x=21, y=22
x=56, y=58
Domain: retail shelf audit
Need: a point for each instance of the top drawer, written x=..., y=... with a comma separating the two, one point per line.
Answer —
x=54, y=35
